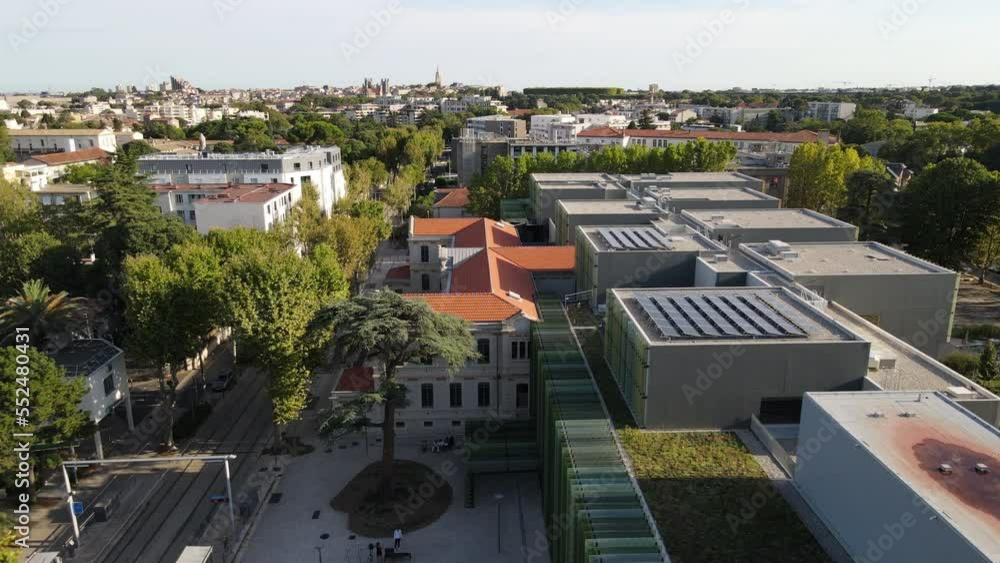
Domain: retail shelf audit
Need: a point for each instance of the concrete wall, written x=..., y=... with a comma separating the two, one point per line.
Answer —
x=544, y=202
x=641, y=269
x=566, y=224
x=864, y=504
x=919, y=309
x=719, y=385
x=803, y=234
x=681, y=205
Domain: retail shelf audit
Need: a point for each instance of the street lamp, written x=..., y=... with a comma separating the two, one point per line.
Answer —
x=499, y=499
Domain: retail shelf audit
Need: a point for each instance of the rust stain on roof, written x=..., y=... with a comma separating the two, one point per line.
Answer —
x=980, y=491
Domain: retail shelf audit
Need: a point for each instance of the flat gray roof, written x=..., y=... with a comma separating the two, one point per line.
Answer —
x=715, y=194
x=606, y=207
x=762, y=218
x=571, y=177
x=688, y=177
x=834, y=258
x=624, y=239
x=913, y=447
x=724, y=315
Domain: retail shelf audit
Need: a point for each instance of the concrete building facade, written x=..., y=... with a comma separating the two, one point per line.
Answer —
x=737, y=226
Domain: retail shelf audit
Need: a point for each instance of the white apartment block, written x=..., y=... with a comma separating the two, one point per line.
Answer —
x=27, y=142
x=829, y=111
x=320, y=166
x=227, y=206
x=468, y=103
x=541, y=125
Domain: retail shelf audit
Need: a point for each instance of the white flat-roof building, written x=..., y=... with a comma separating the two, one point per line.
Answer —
x=709, y=358
x=319, y=166
x=228, y=206
x=911, y=298
x=571, y=214
x=29, y=142
x=829, y=111
x=737, y=226
x=901, y=477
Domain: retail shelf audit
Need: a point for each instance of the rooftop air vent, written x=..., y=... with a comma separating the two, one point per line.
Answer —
x=945, y=469
x=876, y=414
x=514, y=295
x=908, y=414
x=982, y=469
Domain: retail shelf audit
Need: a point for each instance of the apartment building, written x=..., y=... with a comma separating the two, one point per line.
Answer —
x=30, y=142
x=57, y=164
x=227, y=206
x=708, y=358
x=498, y=125
x=910, y=298
x=900, y=477
x=542, y=125
x=762, y=142
x=469, y=103
x=830, y=111
x=319, y=166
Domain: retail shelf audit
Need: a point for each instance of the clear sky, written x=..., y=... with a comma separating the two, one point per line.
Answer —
x=694, y=44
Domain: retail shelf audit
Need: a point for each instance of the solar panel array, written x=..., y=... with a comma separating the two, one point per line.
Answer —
x=82, y=357
x=728, y=315
x=634, y=238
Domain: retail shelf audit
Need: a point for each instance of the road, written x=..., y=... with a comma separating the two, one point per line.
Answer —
x=170, y=508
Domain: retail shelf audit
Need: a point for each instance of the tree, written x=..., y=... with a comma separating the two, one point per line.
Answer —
x=818, y=174
x=53, y=319
x=55, y=417
x=986, y=255
x=18, y=209
x=6, y=152
x=869, y=203
x=80, y=173
x=646, y=120
x=989, y=367
x=930, y=144
x=8, y=553
x=388, y=329
x=948, y=210
x=866, y=126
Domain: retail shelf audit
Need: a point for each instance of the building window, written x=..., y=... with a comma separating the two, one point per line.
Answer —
x=522, y=395
x=179, y=198
x=483, y=347
x=180, y=214
x=263, y=168
x=483, y=393
x=400, y=425
x=456, y=423
x=298, y=166
x=519, y=350
x=425, y=282
x=428, y=424
x=455, y=392
x=109, y=385
x=425, y=253
x=427, y=395
x=191, y=214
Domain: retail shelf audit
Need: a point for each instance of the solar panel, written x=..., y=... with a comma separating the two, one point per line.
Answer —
x=648, y=238
x=677, y=318
x=742, y=324
x=700, y=321
x=709, y=311
x=634, y=235
x=611, y=239
x=770, y=310
x=739, y=303
x=657, y=317
x=622, y=236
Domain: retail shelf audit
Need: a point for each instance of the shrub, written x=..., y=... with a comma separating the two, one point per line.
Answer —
x=976, y=332
x=963, y=362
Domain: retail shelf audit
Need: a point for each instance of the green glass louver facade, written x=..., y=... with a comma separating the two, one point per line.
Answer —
x=585, y=267
x=628, y=357
x=593, y=509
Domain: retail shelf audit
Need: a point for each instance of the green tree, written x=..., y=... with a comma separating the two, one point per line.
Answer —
x=391, y=331
x=866, y=126
x=52, y=318
x=930, y=144
x=817, y=176
x=869, y=205
x=6, y=152
x=8, y=553
x=949, y=207
x=80, y=174
x=986, y=256
x=646, y=120
x=55, y=416
x=989, y=367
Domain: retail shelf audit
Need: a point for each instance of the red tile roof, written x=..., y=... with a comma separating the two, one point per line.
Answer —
x=541, y=258
x=357, y=379
x=797, y=137
x=61, y=158
x=399, y=273
x=472, y=307
x=229, y=193
x=458, y=197
x=469, y=232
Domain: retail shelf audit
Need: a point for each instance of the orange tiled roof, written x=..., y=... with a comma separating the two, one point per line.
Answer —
x=541, y=258
x=458, y=197
x=469, y=232
x=82, y=155
x=473, y=307
x=399, y=272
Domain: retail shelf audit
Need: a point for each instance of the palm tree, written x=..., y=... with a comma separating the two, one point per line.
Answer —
x=47, y=315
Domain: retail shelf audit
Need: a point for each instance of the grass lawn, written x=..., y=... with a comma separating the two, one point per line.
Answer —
x=592, y=342
x=713, y=503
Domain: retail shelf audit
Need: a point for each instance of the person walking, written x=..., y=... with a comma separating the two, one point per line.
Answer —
x=379, y=557
x=397, y=538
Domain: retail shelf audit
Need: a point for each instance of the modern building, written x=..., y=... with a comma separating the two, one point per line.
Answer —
x=762, y=142
x=498, y=125
x=227, y=206
x=571, y=214
x=901, y=477
x=541, y=125
x=546, y=190
x=609, y=257
x=676, y=200
x=709, y=358
x=535, y=147
x=468, y=103
x=830, y=111
x=30, y=142
x=103, y=366
x=639, y=182
x=319, y=166
x=472, y=153
x=908, y=297
x=737, y=226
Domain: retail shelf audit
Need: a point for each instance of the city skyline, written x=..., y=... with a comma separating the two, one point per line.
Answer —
x=696, y=47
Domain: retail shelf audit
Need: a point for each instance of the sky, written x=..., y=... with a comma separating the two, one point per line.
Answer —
x=70, y=45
